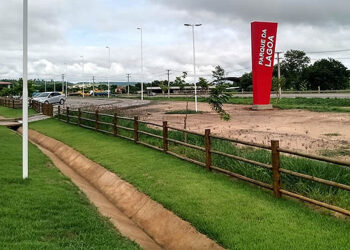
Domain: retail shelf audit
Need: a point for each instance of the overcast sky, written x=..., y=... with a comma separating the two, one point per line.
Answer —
x=61, y=31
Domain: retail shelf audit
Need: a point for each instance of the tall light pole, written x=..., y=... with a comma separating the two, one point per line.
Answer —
x=194, y=63
x=25, y=92
x=109, y=66
x=141, y=64
x=279, y=72
x=63, y=83
x=66, y=82
x=128, y=76
x=168, y=71
x=83, y=62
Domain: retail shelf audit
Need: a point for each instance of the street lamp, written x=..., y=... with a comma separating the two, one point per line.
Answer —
x=141, y=65
x=109, y=66
x=66, y=82
x=25, y=92
x=194, y=63
x=83, y=62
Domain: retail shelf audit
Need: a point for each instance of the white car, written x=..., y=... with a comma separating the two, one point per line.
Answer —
x=50, y=97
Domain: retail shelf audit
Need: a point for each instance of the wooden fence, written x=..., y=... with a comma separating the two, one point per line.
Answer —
x=46, y=109
x=96, y=120
x=11, y=102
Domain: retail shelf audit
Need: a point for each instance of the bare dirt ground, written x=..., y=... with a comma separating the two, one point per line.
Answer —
x=312, y=132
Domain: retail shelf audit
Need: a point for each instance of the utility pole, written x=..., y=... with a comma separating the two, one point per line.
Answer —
x=168, y=70
x=93, y=86
x=128, y=76
x=141, y=63
x=83, y=63
x=66, y=88
x=279, y=72
x=109, y=68
x=62, y=83
x=45, y=86
x=54, y=85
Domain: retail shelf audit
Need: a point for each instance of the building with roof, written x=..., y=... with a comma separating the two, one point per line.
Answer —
x=5, y=85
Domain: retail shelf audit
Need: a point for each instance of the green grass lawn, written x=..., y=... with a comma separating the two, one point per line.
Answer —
x=234, y=213
x=47, y=211
x=13, y=113
x=312, y=104
x=311, y=189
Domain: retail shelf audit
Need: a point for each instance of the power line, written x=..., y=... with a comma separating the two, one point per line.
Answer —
x=327, y=51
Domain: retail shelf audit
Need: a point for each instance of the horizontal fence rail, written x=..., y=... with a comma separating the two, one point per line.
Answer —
x=11, y=103
x=178, y=142
x=44, y=108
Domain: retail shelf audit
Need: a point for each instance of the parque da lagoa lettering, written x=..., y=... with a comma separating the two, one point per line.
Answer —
x=266, y=49
x=263, y=50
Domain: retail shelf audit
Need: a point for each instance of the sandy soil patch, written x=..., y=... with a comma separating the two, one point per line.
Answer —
x=303, y=130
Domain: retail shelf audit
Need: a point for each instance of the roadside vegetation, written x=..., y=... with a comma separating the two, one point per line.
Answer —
x=312, y=104
x=47, y=211
x=235, y=214
x=183, y=112
x=13, y=113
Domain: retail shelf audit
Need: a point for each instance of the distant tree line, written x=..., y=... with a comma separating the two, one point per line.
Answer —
x=301, y=74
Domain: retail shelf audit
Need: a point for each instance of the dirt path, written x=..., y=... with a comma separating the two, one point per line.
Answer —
x=311, y=132
x=135, y=214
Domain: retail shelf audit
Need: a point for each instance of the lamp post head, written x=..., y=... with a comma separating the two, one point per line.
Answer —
x=196, y=24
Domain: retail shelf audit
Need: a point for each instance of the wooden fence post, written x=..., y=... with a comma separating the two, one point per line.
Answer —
x=165, y=136
x=96, y=120
x=207, y=149
x=136, y=129
x=276, y=165
x=79, y=116
x=13, y=103
x=115, y=124
x=50, y=110
x=58, y=112
x=67, y=113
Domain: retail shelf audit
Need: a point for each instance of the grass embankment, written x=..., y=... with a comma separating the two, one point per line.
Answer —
x=13, y=113
x=307, y=188
x=312, y=104
x=236, y=214
x=183, y=112
x=46, y=211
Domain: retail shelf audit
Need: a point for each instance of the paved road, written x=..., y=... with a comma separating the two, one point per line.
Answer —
x=284, y=95
x=309, y=95
x=103, y=103
x=15, y=122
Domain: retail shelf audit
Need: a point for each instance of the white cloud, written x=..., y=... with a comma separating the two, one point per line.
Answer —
x=63, y=30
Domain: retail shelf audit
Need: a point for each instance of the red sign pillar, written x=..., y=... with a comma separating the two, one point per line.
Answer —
x=263, y=53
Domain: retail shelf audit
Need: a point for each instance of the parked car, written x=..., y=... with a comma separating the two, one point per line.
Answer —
x=50, y=97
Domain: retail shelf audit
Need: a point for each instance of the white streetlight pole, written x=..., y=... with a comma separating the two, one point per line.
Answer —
x=83, y=62
x=194, y=64
x=141, y=64
x=66, y=83
x=25, y=91
x=109, y=67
